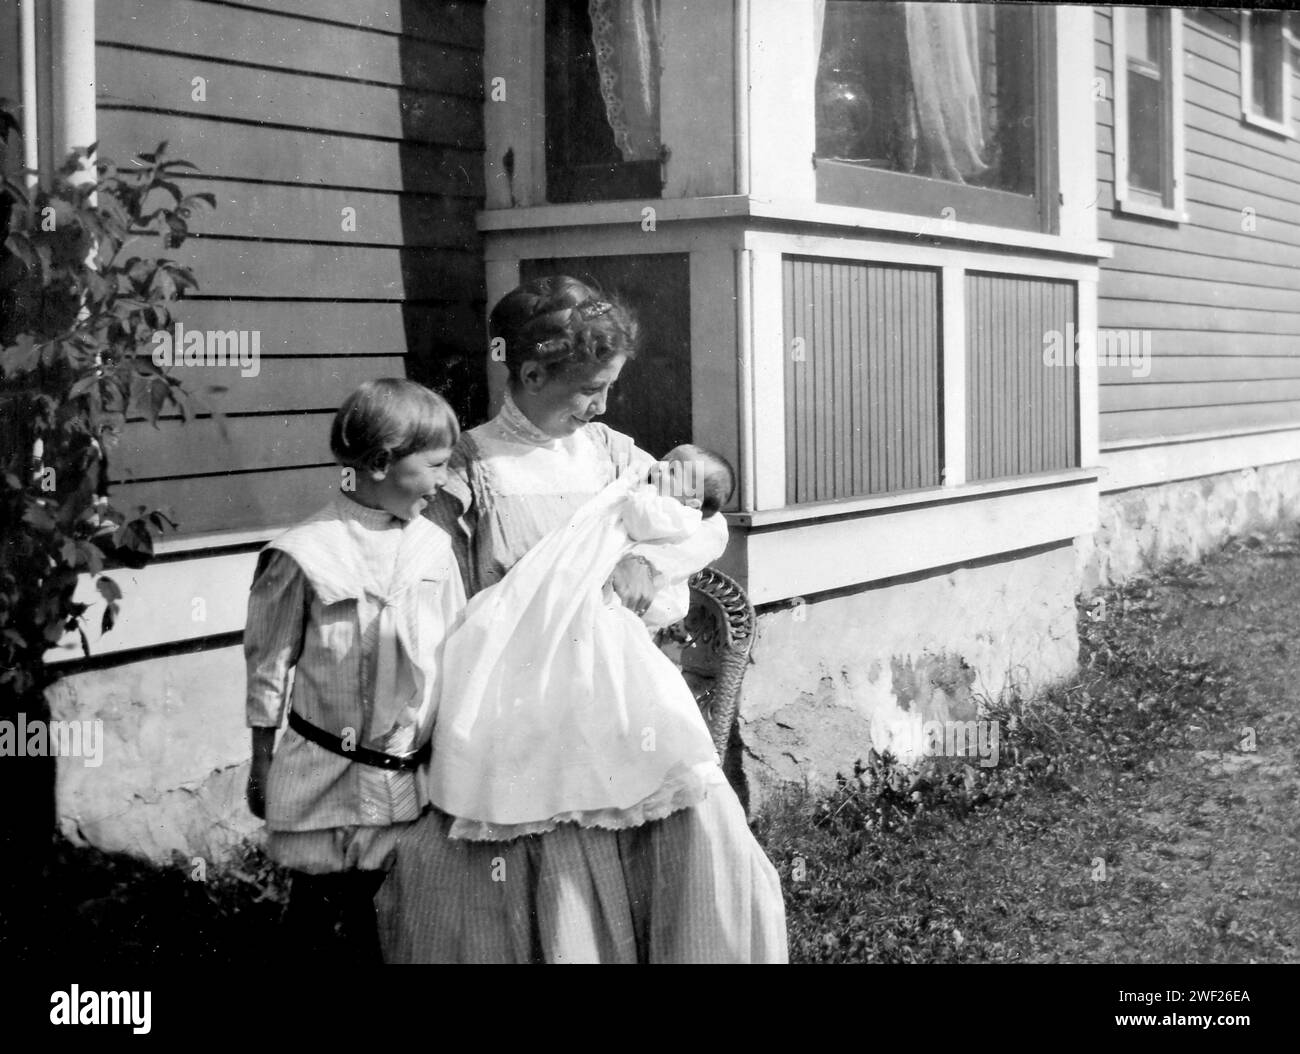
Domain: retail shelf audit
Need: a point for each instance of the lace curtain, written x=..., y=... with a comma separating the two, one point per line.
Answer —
x=625, y=34
x=951, y=65
x=947, y=53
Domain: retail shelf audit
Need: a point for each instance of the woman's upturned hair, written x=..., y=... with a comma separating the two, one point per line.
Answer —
x=561, y=323
x=387, y=419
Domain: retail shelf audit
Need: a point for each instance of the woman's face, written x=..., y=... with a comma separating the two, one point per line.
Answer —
x=561, y=404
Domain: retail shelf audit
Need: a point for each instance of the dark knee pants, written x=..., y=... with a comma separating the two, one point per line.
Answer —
x=331, y=917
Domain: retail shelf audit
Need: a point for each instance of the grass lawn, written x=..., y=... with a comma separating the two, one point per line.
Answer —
x=1129, y=820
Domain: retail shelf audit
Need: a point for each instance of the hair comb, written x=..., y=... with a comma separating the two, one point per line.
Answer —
x=594, y=308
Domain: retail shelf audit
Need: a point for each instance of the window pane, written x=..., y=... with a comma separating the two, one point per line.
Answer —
x=1266, y=63
x=1145, y=142
x=1142, y=33
x=583, y=159
x=939, y=90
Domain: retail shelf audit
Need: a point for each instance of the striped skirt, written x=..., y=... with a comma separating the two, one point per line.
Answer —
x=694, y=887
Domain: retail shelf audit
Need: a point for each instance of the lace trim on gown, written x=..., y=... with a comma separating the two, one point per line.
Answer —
x=683, y=787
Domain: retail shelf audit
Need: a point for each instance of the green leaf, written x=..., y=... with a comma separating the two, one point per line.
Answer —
x=21, y=357
x=20, y=245
x=108, y=589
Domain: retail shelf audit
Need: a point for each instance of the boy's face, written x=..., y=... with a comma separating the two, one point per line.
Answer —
x=405, y=486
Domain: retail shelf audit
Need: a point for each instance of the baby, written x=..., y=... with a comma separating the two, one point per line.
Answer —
x=697, y=480
x=556, y=706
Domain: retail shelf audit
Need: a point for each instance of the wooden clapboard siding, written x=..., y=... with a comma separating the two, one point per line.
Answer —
x=299, y=213
x=292, y=384
x=1221, y=303
x=245, y=500
x=1021, y=412
x=296, y=158
x=239, y=270
x=862, y=385
x=240, y=93
x=327, y=328
x=294, y=43
x=311, y=109
x=449, y=21
x=233, y=444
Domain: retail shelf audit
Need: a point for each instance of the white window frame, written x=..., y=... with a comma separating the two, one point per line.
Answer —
x=1130, y=199
x=1248, y=113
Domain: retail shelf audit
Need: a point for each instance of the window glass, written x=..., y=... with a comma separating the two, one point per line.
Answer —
x=602, y=100
x=1266, y=65
x=1149, y=65
x=940, y=90
x=1140, y=43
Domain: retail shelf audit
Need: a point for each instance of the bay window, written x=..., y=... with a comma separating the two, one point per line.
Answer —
x=849, y=230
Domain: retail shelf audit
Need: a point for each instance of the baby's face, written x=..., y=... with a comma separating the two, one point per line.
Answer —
x=679, y=478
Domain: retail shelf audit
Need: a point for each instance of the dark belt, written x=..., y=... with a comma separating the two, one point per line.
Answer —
x=376, y=758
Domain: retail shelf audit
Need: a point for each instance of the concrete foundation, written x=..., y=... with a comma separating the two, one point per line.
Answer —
x=175, y=757
x=837, y=675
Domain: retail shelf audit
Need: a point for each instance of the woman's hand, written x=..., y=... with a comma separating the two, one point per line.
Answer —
x=633, y=581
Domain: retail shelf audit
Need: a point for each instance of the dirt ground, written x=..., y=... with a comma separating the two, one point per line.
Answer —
x=1207, y=860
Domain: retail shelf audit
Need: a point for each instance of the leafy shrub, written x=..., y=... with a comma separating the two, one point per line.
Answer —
x=79, y=304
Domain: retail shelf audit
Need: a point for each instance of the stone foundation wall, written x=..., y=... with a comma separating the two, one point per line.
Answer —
x=836, y=675
x=174, y=762
x=1147, y=527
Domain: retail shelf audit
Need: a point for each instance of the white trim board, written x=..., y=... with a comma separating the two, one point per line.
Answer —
x=955, y=233
x=1168, y=460
x=165, y=603
x=800, y=559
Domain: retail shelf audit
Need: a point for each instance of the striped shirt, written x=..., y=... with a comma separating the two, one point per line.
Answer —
x=313, y=640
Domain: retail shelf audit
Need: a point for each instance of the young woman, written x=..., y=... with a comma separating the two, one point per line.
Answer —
x=691, y=887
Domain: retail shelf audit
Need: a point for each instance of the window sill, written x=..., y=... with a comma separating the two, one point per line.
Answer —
x=809, y=550
x=187, y=546
x=824, y=510
x=739, y=207
x=1147, y=210
x=1267, y=124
